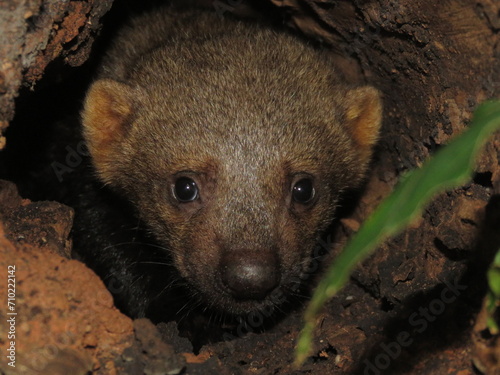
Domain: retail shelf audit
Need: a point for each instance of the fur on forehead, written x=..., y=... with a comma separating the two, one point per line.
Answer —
x=115, y=125
x=210, y=91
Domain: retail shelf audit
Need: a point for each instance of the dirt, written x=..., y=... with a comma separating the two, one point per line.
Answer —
x=65, y=319
x=414, y=307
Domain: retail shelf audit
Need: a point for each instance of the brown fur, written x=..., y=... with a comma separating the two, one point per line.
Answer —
x=245, y=112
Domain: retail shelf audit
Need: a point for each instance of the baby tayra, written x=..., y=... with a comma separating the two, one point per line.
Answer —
x=234, y=143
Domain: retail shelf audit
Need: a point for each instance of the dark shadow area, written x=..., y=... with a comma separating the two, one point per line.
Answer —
x=440, y=318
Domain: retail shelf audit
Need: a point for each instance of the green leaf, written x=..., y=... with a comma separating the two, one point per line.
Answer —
x=450, y=167
x=494, y=281
x=493, y=295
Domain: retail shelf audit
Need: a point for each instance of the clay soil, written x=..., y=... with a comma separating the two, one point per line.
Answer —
x=414, y=307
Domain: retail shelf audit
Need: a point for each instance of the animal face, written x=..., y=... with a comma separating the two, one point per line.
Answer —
x=235, y=168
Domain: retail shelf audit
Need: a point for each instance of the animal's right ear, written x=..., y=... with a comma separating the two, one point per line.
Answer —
x=364, y=117
x=106, y=118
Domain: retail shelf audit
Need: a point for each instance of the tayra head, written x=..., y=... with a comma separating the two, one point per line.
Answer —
x=235, y=157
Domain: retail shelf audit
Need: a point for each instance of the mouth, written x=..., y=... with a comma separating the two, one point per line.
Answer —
x=220, y=299
x=238, y=307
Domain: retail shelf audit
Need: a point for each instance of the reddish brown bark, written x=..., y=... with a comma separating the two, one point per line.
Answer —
x=34, y=33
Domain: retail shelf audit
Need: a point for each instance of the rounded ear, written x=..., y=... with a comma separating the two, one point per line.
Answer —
x=106, y=118
x=364, y=117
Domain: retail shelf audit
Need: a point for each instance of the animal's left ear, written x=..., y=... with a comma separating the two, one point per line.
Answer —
x=363, y=117
x=106, y=117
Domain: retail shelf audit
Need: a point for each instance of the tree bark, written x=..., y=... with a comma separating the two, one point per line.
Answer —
x=433, y=60
x=35, y=33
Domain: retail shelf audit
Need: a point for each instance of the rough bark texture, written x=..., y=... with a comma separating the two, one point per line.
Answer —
x=34, y=33
x=434, y=62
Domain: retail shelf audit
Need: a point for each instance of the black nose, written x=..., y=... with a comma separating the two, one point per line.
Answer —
x=250, y=274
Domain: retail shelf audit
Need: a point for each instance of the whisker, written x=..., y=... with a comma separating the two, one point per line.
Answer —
x=147, y=244
x=156, y=263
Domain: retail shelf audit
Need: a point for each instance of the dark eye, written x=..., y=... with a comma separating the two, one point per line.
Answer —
x=303, y=191
x=185, y=190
